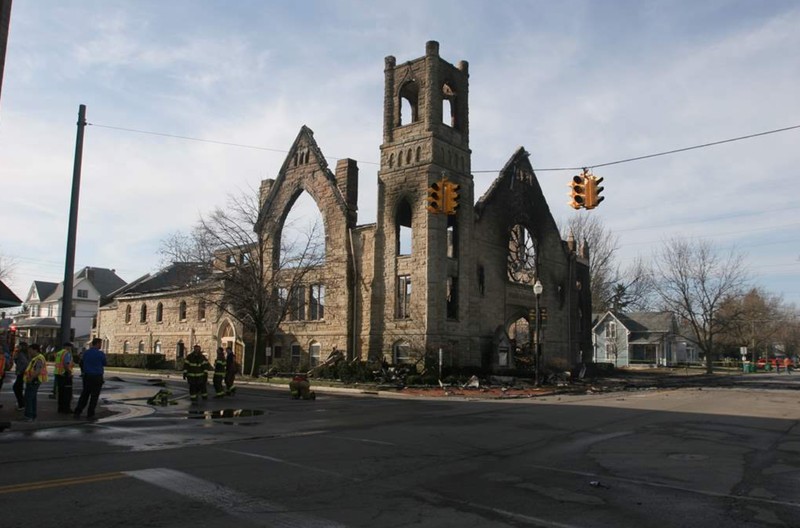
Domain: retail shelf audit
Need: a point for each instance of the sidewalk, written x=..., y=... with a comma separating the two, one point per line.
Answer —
x=47, y=409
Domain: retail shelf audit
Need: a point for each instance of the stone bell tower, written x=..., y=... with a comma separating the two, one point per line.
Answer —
x=421, y=258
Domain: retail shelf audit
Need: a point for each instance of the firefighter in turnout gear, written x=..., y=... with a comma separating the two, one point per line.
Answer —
x=219, y=373
x=195, y=371
x=300, y=387
x=63, y=372
x=230, y=372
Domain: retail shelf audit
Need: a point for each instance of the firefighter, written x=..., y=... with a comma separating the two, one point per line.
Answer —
x=195, y=371
x=63, y=372
x=230, y=372
x=300, y=387
x=219, y=373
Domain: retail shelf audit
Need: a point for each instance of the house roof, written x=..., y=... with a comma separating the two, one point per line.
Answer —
x=38, y=322
x=104, y=280
x=177, y=276
x=640, y=324
x=44, y=289
x=7, y=297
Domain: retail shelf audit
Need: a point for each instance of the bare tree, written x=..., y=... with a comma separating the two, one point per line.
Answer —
x=613, y=287
x=256, y=279
x=693, y=281
x=7, y=265
x=754, y=320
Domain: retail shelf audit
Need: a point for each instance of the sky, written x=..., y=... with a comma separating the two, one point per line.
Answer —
x=576, y=83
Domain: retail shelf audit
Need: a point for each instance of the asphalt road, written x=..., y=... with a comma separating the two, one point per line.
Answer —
x=650, y=458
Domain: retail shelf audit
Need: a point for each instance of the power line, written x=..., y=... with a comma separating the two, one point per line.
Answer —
x=548, y=169
x=216, y=142
x=665, y=153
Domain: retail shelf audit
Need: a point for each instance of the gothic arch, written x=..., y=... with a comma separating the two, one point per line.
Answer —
x=408, y=96
x=522, y=255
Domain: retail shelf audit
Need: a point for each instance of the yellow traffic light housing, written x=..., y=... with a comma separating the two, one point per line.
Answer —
x=593, y=191
x=436, y=198
x=450, y=197
x=578, y=192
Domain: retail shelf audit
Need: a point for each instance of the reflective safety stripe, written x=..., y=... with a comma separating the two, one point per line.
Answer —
x=28, y=374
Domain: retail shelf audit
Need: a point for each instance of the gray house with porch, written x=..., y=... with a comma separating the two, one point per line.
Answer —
x=648, y=339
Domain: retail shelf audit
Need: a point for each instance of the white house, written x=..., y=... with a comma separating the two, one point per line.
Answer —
x=41, y=321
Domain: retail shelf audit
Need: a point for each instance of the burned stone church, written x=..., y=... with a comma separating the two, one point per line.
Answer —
x=417, y=282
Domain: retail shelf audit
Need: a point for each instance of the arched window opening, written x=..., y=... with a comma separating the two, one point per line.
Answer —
x=521, y=255
x=391, y=160
x=314, y=350
x=128, y=314
x=126, y=347
x=159, y=312
x=140, y=349
x=520, y=334
x=402, y=354
x=419, y=153
x=449, y=106
x=403, y=229
x=143, y=314
x=182, y=311
x=408, y=157
x=201, y=310
x=180, y=350
x=303, y=235
x=157, y=347
x=227, y=332
x=409, y=104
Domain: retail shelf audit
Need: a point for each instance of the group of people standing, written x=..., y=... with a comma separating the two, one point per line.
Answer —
x=30, y=366
x=195, y=372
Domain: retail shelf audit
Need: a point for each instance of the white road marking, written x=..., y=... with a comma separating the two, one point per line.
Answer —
x=281, y=461
x=232, y=502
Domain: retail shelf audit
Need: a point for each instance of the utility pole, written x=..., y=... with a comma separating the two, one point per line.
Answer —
x=72, y=231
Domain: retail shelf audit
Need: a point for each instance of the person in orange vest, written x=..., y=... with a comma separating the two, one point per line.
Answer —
x=63, y=373
x=35, y=374
x=219, y=373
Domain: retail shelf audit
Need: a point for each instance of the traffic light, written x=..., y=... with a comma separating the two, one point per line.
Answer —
x=593, y=191
x=578, y=192
x=543, y=316
x=435, y=198
x=450, y=197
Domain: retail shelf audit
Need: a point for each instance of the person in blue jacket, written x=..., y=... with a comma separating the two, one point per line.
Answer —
x=93, y=367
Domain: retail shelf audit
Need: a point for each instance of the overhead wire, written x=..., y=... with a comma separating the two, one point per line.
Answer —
x=545, y=169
